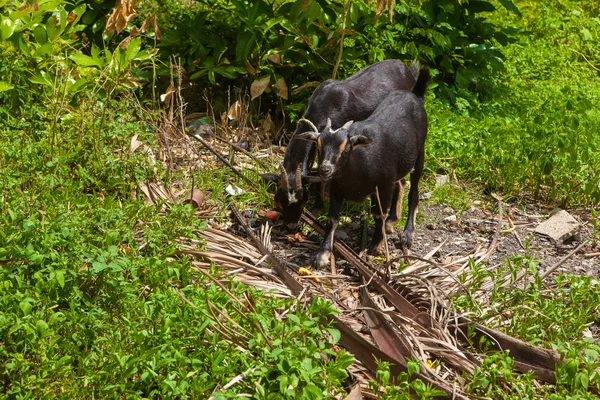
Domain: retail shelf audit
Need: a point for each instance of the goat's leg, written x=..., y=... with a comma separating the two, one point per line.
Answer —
x=385, y=197
x=323, y=257
x=413, y=201
x=319, y=195
x=396, y=205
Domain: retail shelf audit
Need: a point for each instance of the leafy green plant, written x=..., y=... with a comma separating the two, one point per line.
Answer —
x=495, y=379
x=401, y=387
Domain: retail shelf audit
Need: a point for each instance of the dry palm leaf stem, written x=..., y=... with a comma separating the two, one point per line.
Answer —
x=364, y=351
x=527, y=357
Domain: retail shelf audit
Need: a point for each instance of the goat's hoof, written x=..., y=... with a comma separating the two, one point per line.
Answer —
x=406, y=242
x=376, y=250
x=389, y=228
x=322, y=259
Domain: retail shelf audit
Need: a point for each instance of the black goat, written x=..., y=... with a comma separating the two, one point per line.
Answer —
x=354, y=98
x=373, y=156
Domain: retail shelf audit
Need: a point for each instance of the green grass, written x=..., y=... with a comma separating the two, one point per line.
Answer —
x=90, y=291
x=534, y=128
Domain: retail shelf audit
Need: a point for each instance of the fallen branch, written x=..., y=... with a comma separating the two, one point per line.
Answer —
x=223, y=160
x=562, y=260
x=586, y=60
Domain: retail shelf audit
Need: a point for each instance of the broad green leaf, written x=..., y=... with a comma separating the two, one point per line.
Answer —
x=509, y=5
x=77, y=85
x=478, y=6
x=586, y=34
x=25, y=307
x=133, y=48
x=99, y=266
x=60, y=278
x=7, y=28
x=86, y=61
x=245, y=45
x=41, y=78
x=42, y=328
x=43, y=50
x=51, y=28
x=4, y=86
x=78, y=11
x=144, y=55
x=62, y=17
x=335, y=334
x=40, y=35
x=21, y=44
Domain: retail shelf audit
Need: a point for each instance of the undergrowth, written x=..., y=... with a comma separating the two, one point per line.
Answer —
x=533, y=128
x=556, y=318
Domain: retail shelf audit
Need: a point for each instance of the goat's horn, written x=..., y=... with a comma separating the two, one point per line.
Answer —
x=283, y=182
x=328, y=123
x=298, y=178
x=312, y=126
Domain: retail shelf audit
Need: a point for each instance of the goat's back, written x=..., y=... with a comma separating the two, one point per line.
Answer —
x=398, y=128
x=358, y=96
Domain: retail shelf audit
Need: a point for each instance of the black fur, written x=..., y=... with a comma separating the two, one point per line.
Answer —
x=354, y=98
x=375, y=154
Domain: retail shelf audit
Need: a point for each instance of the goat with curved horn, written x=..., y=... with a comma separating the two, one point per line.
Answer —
x=283, y=182
x=312, y=126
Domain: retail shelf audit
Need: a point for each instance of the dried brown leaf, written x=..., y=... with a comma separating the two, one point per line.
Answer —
x=235, y=111
x=259, y=86
x=251, y=70
x=167, y=97
x=274, y=58
x=282, y=89
x=355, y=394
x=123, y=13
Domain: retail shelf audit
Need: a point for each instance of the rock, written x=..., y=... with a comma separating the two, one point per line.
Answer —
x=558, y=227
x=448, y=210
x=441, y=180
x=341, y=235
x=353, y=225
x=450, y=218
x=426, y=196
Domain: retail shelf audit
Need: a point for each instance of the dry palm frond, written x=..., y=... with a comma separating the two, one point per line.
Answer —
x=265, y=236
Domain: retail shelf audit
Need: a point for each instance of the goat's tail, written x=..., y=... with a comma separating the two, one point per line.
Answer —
x=421, y=85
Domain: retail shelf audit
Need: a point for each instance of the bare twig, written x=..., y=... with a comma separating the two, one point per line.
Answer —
x=494, y=242
x=341, y=48
x=223, y=160
x=562, y=260
x=383, y=219
x=586, y=60
x=246, y=152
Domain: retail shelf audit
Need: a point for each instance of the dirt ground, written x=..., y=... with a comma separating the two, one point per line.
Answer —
x=462, y=233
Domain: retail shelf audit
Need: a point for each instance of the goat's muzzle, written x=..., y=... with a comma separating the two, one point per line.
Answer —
x=325, y=171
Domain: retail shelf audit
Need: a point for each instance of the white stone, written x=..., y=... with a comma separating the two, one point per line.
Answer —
x=559, y=227
x=450, y=218
x=441, y=180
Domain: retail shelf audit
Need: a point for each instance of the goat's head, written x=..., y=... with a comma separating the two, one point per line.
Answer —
x=334, y=147
x=291, y=195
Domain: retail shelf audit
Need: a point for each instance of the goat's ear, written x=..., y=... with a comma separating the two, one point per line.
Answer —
x=311, y=179
x=271, y=177
x=347, y=124
x=309, y=136
x=360, y=140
